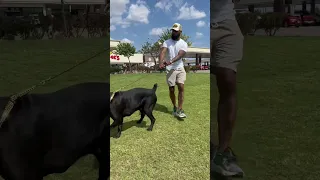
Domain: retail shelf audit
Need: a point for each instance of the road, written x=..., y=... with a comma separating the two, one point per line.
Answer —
x=293, y=31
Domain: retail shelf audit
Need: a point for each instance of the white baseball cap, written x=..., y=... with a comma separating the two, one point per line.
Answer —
x=176, y=27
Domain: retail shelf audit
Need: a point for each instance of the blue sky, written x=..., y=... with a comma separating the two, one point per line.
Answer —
x=136, y=21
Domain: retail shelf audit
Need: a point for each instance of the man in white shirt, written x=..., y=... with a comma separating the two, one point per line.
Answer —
x=175, y=49
x=226, y=42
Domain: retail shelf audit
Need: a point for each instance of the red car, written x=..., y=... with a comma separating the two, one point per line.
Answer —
x=292, y=20
x=204, y=67
x=306, y=18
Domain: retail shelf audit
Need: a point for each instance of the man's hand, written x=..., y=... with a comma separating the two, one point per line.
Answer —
x=161, y=65
x=168, y=63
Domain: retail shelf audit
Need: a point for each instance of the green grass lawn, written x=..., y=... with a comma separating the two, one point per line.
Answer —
x=25, y=63
x=277, y=131
x=174, y=149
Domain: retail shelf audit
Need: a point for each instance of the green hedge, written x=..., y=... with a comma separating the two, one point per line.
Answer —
x=269, y=22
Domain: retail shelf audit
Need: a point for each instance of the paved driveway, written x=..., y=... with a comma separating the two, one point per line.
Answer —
x=293, y=31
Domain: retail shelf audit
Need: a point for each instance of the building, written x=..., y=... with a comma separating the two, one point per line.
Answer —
x=268, y=5
x=194, y=55
x=23, y=7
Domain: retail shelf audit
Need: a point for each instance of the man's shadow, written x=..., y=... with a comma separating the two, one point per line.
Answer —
x=164, y=109
x=127, y=125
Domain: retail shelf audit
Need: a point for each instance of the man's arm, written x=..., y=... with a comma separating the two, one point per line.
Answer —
x=182, y=52
x=163, y=51
x=180, y=55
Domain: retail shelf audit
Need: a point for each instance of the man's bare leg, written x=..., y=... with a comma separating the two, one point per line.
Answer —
x=227, y=106
x=172, y=95
x=180, y=95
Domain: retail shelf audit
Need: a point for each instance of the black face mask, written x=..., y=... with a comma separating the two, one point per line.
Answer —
x=175, y=37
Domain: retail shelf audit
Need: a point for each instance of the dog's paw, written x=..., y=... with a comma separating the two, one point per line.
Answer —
x=149, y=129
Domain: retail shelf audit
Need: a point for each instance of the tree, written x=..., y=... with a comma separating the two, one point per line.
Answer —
x=152, y=49
x=126, y=50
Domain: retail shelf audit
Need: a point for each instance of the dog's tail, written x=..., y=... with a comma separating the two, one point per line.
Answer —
x=155, y=86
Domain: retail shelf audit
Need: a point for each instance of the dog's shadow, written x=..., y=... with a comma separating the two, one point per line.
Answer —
x=216, y=176
x=164, y=109
x=128, y=125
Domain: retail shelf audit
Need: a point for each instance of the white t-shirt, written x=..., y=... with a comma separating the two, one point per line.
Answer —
x=221, y=10
x=173, y=49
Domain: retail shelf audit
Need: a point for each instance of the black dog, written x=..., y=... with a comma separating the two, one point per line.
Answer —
x=125, y=103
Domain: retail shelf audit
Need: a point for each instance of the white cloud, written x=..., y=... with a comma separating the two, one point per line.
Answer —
x=125, y=40
x=201, y=23
x=139, y=12
x=112, y=28
x=136, y=13
x=187, y=12
x=167, y=5
x=117, y=9
x=111, y=38
x=157, y=31
x=199, y=34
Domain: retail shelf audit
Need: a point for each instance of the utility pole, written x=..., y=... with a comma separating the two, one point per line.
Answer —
x=64, y=18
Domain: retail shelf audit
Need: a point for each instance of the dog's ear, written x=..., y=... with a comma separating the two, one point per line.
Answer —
x=113, y=95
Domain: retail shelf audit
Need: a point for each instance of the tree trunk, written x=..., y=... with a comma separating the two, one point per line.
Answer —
x=155, y=62
x=278, y=6
x=313, y=7
x=130, y=68
x=64, y=18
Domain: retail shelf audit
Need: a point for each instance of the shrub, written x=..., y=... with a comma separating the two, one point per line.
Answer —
x=248, y=22
x=272, y=22
x=187, y=69
x=269, y=22
x=115, y=69
x=195, y=68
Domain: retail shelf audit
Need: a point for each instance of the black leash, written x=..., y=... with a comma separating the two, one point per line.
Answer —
x=14, y=97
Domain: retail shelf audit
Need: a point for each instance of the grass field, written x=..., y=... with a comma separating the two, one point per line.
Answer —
x=25, y=63
x=277, y=131
x=174, y=149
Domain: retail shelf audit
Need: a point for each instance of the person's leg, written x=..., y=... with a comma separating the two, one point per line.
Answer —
x=226, y=83
x=171, y=81
x=181, y=78
x=227, y=53
x=172, y=96
x=180, y=95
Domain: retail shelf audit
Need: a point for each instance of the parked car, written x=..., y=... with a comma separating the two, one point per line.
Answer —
x=306, y=18
x=292, y=20
x=204, y=67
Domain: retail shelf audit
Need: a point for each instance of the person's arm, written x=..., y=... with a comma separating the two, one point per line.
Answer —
x=182, y=52
x=163, y=51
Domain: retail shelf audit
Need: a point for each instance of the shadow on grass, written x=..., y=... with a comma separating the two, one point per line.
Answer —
x=216, y=176
x=128, y=125
x=162, y=108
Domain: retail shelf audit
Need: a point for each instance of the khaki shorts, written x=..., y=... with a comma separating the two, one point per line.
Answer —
x=226, y=42
x=175, y=76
